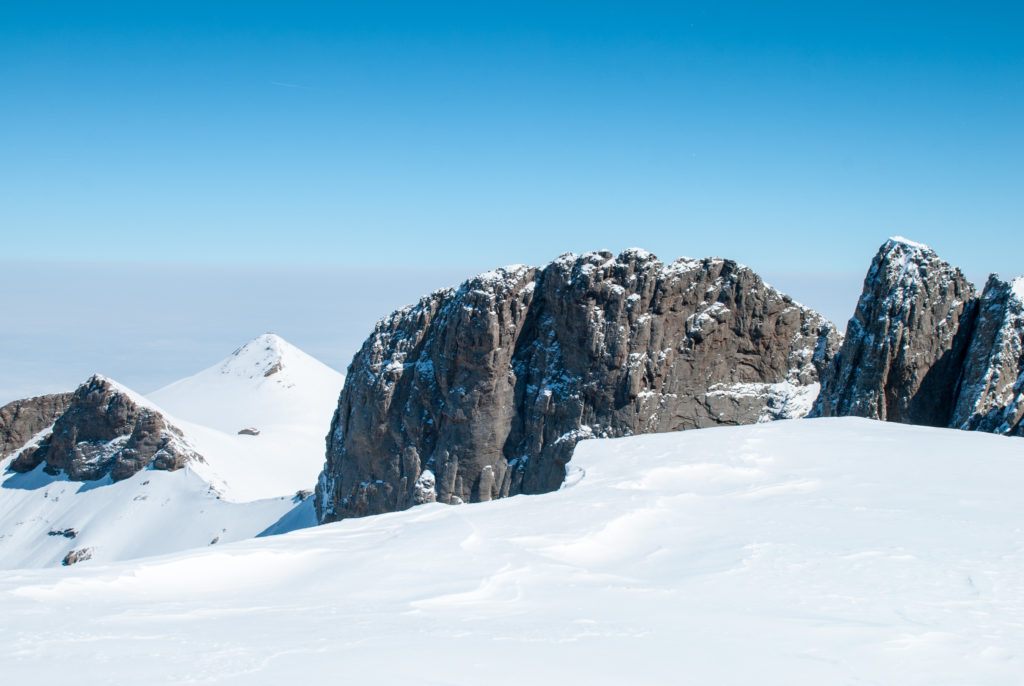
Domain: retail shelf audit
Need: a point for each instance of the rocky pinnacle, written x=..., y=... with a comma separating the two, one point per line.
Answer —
x=906, y=343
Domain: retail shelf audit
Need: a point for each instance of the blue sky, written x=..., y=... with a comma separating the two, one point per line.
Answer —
x=452, y=137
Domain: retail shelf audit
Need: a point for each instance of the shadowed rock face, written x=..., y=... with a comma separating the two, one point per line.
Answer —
x=992, y=385
x=104, y=430
x=906, y=343
x=22, y=419
x=483, y=391
x=923, y=348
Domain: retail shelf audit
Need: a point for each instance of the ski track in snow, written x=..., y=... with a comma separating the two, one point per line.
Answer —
x=828, y=551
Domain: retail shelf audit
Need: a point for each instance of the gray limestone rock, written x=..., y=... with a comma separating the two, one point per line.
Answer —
x=991, y=396
x=76, y=556
x=483, y=391
x=106, y=430
x=906, y=343
x=21, y=420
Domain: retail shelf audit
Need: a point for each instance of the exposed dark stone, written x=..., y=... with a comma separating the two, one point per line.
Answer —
x=249, y=432
x=906, y=343
x=105, y=431
x=483, y=391
x=66, y=533
x=991, y=396
x=22, y=419
x=75, y=556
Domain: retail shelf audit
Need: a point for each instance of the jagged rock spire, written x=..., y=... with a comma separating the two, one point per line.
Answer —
x=906, y=343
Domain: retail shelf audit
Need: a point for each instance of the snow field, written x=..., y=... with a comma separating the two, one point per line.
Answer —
x=796, y=552
x=246, y=485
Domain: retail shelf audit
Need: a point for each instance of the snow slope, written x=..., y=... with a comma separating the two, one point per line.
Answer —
x=830, y=551
x=268, y=385
x=150, y=513
x=246, y=485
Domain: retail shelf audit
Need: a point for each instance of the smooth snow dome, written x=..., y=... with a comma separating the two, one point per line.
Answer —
x=828, y=551
x=267, y=385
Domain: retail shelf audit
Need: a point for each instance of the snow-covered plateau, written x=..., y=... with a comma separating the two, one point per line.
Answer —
x=826, y=551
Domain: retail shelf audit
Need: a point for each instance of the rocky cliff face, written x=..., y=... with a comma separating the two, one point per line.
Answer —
x=105, y=429
x=991, y=396
x=21, y=420
x=924, y=348
x=483, y=391
x=906, y=343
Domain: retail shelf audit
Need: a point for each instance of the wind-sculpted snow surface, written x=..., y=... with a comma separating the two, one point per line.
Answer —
x=483, y=391
x=923, y=348
x=833, y=551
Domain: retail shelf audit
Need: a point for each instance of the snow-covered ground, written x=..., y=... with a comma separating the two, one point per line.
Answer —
x=268, y=385
x=245, y=486
x=829, y=551
x=151, y=513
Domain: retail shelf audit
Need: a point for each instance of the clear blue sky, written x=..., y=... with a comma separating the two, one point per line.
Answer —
x=794, y=137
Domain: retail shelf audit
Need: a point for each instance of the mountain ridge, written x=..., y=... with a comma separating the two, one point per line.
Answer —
x=101, y=494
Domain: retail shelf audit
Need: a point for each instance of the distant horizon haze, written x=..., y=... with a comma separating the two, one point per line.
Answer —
x=181, y=177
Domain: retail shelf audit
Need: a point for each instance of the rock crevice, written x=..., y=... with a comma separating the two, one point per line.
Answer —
x=924, y=348
x=488, y=387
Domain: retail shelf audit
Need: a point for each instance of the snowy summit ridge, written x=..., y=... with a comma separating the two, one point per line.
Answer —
x=266, y=382
x=168, y=471
x=263, y=356
x=893, y=240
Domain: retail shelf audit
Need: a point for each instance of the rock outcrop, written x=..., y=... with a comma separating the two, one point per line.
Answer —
x=906, y=343
x=21, y=420
x=924, y=348
x=106, y=429
x=991, y=394
x=76, y=556
x=483, y=391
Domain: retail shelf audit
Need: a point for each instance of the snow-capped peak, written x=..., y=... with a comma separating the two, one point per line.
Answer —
x=261, y=357
x=258, y=416
x=899, y=261
x=900, y=240
x=137, y=398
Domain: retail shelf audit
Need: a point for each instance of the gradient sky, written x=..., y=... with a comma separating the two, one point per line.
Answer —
x=452, y=137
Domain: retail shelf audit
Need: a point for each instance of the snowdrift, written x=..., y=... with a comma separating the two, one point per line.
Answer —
x=825, y=551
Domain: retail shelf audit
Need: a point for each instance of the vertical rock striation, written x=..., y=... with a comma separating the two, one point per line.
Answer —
x=906, y=343
x=924, y=348
x=21, y=420
x=992, y=385
x=483, y=391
